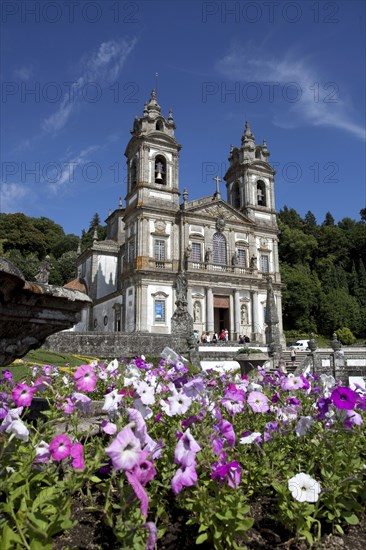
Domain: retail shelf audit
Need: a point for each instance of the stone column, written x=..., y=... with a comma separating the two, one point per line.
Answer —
x=236, y=314
x=254, y=308
x=209, y=310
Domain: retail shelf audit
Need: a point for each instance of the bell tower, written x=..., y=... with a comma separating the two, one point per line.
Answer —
x=152, y=160
x=250, y=180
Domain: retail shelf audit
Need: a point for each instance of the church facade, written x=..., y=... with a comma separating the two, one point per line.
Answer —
x=226, y=248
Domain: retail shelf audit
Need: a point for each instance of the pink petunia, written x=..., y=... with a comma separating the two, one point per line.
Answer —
x=258, y=402
x=85, y=378
x=60, y=447
x=22, y=395
x=124, y=451
x=77, y=455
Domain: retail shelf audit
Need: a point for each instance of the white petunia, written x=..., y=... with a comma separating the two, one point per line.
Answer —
x=246, y=440
x=146, y=393
x=111, y=401
x=304, y=488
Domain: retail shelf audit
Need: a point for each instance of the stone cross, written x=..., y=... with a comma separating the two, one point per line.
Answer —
x=217, y=180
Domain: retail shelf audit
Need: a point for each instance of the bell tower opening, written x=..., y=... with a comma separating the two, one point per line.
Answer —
x=261, y=193
x=236, y=195
x=160, y=170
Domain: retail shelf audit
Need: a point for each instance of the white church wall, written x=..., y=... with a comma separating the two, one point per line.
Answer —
x=106, y=275
x=130, y=309
x=104, y=316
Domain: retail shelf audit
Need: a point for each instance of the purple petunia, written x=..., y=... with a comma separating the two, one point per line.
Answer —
x=344, y=398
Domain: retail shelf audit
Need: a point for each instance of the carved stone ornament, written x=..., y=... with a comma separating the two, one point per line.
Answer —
x=220, y=224
x=160, y=226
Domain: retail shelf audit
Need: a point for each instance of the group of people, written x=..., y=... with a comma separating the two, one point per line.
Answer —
x=223, y=336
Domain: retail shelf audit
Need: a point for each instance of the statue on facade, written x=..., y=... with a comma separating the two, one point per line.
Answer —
x=235, y=258
x=208, y=255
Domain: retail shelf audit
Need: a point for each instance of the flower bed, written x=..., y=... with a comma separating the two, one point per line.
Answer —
x=206, y=454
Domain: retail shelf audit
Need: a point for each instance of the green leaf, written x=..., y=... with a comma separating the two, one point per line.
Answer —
x=339, y=529
x=308, y=536
x=352, y=519
x=245, y=524
x=202, y=538
x=95, y=479
x=8, y=537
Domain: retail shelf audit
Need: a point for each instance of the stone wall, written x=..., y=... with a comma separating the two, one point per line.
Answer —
x=115, y=344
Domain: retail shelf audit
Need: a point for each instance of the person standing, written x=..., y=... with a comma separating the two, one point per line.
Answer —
x=293, y=355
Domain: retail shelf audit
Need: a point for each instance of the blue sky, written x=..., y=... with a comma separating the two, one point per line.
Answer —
x=74, y=75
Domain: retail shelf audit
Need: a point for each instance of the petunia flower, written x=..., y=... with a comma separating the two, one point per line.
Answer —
x=60, y=447
x=304, y=425
x=146, y=393
x=77, y=455
x=291, y=383
x=344, y=398
x=249, y=437
x=153, y=535
x=258, y=402
x=42, y=452
x=231, y=472
x=111, y=401
x=7, y=375
x=81, y=401
x=186, y=449
x=125, y=449
x=14, y=425
x=226, y=430
x=304, y=488
x=85, y=378
x=22, y=395
x=109, y=427
x=185, y=476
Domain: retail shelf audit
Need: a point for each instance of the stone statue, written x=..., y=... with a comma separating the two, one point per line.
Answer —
x=44, y=270
x=182, y=286
x=235, y=258
x=253, y=262
x=244, y=315
x=208, y=255
x=197, y=312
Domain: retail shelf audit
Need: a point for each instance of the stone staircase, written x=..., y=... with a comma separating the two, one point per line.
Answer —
x=300, y=356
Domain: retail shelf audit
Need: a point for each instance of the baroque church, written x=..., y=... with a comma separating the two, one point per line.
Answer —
x=226, y=248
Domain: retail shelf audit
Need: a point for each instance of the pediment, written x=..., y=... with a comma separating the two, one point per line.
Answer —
x=218, y=209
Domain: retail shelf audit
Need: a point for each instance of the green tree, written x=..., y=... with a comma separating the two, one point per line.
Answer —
x=339, y=309
x=67, y=266
x=27, y=263
x=300, y=298
x=295, y=246
x=66, y=244
x=328, y=220
x=290, y=217
x=51, y=231
x=21, y=234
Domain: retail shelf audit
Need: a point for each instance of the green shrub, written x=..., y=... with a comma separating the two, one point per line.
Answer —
x=345, y=336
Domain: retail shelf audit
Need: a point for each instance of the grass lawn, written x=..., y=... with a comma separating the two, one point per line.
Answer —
x=44, y=357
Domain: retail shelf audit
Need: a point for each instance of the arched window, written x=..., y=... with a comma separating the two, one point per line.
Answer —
x=236, y=195
x=133, y=173
x=160, y=170
x=159, y=126
x=261, y=193
x=219, y=249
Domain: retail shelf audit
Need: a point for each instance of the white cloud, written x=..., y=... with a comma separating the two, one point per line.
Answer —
x=319, y=103
x=69, y=165
x=11, y=196
x=25, y=72
x=102, y=68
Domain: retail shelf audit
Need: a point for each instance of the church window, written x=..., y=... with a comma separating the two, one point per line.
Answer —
x=261, y=193
x=265, y=263
x=219, y=249
x=196, y=252
x=160, y=170
x=242, y=257
x=236, y=195
x=133, y=173
x=159, y=252
x=159, y=310
x=159, y=126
